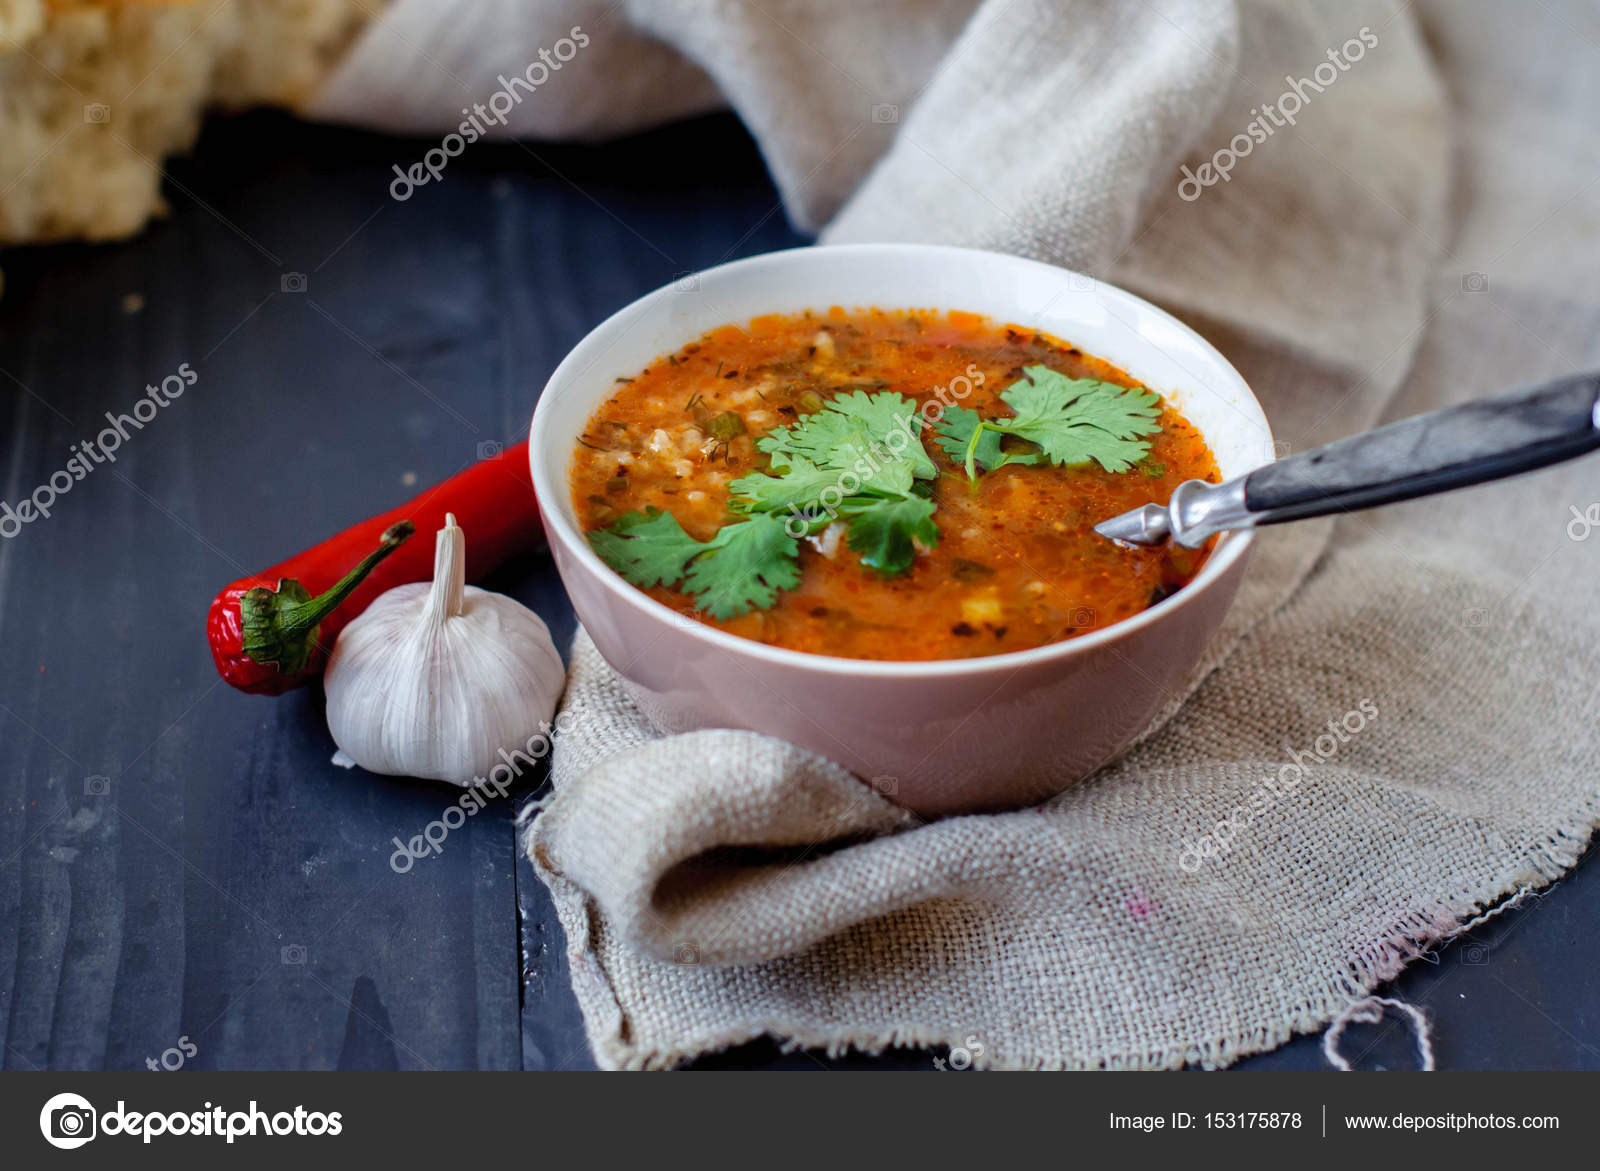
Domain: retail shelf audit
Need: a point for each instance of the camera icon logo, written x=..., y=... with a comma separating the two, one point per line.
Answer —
x=1474, y=282
x=686, y=282
x=885, y=113
x=1475, y=954
x=96, y=786
x=686, y=953
x=292, y=282
x=67, y=1121
x=1475, y=618
x=489, y=448
x=684, y=621
x=97, y=112
x=293, y=954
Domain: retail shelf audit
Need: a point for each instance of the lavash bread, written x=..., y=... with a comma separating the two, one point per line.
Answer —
x=95, y=94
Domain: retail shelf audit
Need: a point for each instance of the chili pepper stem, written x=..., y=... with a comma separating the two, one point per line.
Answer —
x=279, y=626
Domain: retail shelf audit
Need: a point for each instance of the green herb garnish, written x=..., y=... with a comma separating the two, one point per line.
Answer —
x=876, y=436
x=741, y=568
x=1067, y=420
x=883, y=531
x=796, y=484
x=859, y=458
x=744, y=567
x=647, y=548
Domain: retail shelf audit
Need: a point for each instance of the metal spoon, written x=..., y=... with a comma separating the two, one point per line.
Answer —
x=1436, y=452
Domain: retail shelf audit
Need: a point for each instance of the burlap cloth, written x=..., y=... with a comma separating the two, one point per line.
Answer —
x=1425, y=232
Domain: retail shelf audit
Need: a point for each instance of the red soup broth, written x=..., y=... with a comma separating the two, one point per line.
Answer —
x=1017, y=564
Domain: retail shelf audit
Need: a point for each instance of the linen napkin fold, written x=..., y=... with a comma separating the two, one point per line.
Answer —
x=1394, y=730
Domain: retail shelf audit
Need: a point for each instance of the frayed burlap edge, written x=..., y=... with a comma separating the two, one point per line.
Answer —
x=1413, y=937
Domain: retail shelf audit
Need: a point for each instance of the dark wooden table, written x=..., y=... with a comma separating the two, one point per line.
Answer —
x=184, y=875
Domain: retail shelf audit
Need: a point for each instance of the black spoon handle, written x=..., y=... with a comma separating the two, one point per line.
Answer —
x=1453, y=448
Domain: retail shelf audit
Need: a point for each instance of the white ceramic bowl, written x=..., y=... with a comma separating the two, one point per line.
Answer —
x=943, y=736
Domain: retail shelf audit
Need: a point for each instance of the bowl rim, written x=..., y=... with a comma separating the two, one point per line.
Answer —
x=1231, y=548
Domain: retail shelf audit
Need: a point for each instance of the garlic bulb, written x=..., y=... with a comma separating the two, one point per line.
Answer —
x=443, y=681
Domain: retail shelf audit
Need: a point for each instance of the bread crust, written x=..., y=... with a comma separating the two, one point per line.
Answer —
x=96, y=94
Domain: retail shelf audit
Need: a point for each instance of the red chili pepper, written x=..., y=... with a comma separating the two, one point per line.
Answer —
x=272, y=631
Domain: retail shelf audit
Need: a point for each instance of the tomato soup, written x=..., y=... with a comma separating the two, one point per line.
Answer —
x=916, y=484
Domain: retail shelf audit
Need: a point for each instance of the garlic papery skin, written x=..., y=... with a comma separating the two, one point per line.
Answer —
x=444, y=680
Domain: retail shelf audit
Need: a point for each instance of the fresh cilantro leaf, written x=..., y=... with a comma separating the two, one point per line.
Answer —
x=882, y=531
x=795, y=482
x=744, y=567
x=1070, y=420
x=741, y=568
x=646, y=548
x=954, y=435
x=876, y=441
x=875, y=436
x=1075, y=420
